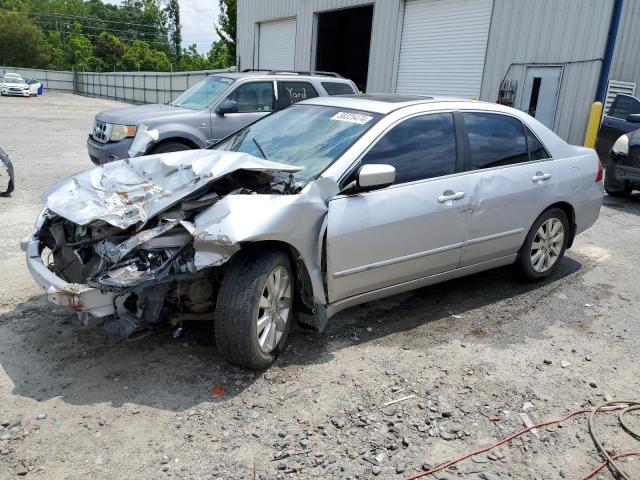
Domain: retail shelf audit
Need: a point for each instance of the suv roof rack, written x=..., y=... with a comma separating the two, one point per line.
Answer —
x=297, y=72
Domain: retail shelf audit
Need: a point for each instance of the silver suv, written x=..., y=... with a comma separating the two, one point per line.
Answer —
x=210, y=110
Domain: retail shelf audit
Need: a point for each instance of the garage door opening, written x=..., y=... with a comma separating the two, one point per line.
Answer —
x=344, y=38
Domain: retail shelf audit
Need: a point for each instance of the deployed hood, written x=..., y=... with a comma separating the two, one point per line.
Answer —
x=140, y=114
x=129, y=192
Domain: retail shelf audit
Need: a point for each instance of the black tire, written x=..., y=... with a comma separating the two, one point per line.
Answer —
x=619, y=193
x=524, y=259
x=8, y=166
x=237, y=308
x=169, y=147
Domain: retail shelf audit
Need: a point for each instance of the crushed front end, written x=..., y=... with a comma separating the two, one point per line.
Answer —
x=116, y=243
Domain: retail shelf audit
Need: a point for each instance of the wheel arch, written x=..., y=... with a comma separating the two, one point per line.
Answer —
x=184, y=140
x=570, y=212
x=304, y=298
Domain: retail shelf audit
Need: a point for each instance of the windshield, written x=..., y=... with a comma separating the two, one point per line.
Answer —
x=309, y=136
x=13, y=80
x=203, y=94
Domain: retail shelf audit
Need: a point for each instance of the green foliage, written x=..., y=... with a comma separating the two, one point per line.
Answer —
x=92, y=35
x=22, y=44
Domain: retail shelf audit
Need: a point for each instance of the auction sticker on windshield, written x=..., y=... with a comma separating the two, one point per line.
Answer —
x=358, y=118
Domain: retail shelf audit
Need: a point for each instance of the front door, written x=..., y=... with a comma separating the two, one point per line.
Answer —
x=540, y=94
x=412, y=229
x=254, y=100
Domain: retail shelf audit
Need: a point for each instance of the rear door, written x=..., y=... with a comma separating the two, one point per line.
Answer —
x=412, y=229
x=513, y=180
x=255, y=99
x=615, y=123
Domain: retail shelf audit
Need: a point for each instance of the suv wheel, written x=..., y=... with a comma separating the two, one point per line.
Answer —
x=169, y=147
x=625, y=192
x=544, y=246
x=255, y=309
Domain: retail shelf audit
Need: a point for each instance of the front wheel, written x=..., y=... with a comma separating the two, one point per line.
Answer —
x=544, y=246
x=255, y=309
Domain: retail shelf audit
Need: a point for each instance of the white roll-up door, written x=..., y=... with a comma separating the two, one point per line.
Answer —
x=277, y=45
x=443, y=47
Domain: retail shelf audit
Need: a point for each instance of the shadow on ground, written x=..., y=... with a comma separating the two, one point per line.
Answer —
x=46, y=353
x=629, y=204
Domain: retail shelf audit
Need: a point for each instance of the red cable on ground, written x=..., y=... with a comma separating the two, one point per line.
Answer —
x=604, y=464
x=517, y=434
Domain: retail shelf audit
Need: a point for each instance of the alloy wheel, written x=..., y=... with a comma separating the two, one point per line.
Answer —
x=273, y=309
x=547, y=245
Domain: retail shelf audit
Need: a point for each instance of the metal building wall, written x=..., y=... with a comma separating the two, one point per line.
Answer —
x=385, y=34
x=572, y=33
x=626, y=56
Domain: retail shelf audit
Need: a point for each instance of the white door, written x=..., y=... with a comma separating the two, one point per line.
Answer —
x=540, y=94
x=277, y=45
x=443, y=47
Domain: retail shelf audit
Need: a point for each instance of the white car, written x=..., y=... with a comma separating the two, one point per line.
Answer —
x=12, y=85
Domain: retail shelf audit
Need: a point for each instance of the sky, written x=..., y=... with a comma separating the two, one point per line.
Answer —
x=197, y=18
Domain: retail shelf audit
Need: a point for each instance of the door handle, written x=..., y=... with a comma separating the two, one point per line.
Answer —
x=450, y=195
x=540, y=177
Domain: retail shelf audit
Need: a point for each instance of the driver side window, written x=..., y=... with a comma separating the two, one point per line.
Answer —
x=419, y=148
x=253, y=97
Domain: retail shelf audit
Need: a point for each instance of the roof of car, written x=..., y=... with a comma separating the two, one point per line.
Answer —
x=280, y=74
x=380, y=102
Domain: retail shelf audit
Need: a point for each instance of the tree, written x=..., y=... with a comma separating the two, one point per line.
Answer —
x=140, y=57
x=109, y=51
x=175, y=29
x=22, y=44
x=227, y=32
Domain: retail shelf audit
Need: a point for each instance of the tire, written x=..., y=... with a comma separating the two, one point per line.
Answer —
x=243, y=299
x=529, y=261
x=169, y=147
x=619, y=193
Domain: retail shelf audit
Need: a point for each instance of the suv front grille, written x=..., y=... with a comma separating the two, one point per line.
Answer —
x=101, y=131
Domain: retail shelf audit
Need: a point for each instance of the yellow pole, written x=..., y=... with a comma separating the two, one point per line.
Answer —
x=593, y=125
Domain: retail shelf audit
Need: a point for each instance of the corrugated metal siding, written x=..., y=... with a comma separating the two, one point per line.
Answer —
x=387, y=17
x=550, y=32
x=443, y=47
x=626, y=56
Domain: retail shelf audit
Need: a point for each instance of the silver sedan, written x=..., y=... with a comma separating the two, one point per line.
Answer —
x=326, y=204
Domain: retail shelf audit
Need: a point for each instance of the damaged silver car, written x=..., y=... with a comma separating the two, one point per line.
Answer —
x=326, y=204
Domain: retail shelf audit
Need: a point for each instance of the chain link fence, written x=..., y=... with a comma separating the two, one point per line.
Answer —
x=131, y=87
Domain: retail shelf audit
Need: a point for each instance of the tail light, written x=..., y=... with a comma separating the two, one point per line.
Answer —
x=600, y=174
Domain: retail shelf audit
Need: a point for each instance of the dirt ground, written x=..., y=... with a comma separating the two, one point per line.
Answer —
x=475, y=353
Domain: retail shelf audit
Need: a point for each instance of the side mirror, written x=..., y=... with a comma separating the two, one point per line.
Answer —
x=228, y=106
x=373, y=177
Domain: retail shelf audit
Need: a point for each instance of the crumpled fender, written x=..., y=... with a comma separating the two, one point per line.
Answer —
x=296, y=220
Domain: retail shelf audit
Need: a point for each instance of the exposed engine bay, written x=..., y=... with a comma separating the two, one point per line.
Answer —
x=137, y=241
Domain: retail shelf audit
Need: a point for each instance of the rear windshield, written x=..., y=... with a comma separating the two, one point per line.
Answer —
x=309, y=136
x=336, y=88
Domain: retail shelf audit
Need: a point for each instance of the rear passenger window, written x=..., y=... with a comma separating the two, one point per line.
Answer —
x=336, y=88
x=536, y=150
x=419, y=148
x=293, y=92
x=495, y=140
x=623, y=106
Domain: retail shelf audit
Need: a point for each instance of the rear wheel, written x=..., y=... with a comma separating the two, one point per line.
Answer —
x=255, y=309
x=169, y=147
x=545, y=245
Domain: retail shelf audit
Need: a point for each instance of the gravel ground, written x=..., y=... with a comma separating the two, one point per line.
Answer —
x=474, y=353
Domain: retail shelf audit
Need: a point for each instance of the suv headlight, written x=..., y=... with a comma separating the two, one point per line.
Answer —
x=119, y=132
x=621, y=147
